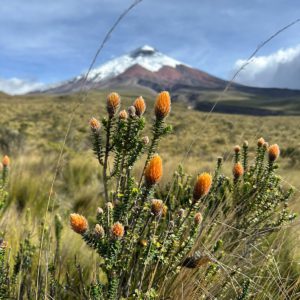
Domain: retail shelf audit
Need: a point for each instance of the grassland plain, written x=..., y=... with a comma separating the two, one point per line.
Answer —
x=32, y=129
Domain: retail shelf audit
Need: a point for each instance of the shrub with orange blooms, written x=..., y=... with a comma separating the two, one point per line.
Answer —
x=149, y=237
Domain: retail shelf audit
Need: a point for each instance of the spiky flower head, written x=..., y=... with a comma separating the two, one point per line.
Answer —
x=117, y=230
x=145, y=140
x=237, y=170
x=154, y=170
x=123, y=115
x=113, y=104
x=202, y=185
x=131, y=111
x=100, y=211
x=237, y=148
x=5, y=161
x=198, y=218
x=260, y=142
x=78, y=223
x=162, y=105
x=245, y=144
x=109, y=205
x=157, y=207
x=140, y=106
x=99, y=230
x=273, y=152
x=94, y=124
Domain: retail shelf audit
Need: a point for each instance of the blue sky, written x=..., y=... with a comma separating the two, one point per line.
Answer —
x=49, y=41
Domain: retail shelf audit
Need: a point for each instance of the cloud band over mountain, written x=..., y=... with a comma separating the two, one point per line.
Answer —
x=280, y=69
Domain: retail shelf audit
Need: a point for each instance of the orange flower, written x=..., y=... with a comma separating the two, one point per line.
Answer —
x=202, y=186
x=237, y=170
x=154, y=170
x=140, y=106
x=198, y=218
x=94, y=124
x=117, y=230
x=273, y=152
x=78, y=223
x=162, y=105
x=5, y=161
x=113, y=104
x=157, y=207
x=123, y=114
x=260, y=142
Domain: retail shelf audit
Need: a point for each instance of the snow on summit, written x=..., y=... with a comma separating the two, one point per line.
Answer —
x=145, y=56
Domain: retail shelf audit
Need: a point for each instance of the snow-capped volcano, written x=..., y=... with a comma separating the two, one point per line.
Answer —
x=146, y=57
x=144, y=66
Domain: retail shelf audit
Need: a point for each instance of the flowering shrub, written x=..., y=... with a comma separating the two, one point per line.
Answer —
x=148, y=237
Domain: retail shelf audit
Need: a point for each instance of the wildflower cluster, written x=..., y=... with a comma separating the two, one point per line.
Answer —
x=137, y=234
x=144, y=235
x=239, y=215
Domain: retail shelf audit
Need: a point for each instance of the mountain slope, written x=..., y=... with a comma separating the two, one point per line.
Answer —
x=144, y=66
x=148, y=69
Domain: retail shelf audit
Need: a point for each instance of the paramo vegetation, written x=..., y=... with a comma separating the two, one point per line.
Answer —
x=205, y=236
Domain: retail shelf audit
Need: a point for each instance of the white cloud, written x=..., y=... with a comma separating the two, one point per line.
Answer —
x=17, y=86
x=279, y=69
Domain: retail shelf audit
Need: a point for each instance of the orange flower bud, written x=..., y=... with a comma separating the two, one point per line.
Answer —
x=157, y=207
x=94, y=124
x=100, y=211
x=99, y=230
x=162, y=105
x=78, y=223
x=113, y=104
x=145, y=140
x=273, y=152
x=154, y=170
x=260, y=142
x=123, y=114
x=237, y=170
x=198, y=218
x=5, y=161
x=237, y=149
x=109, y=205
x=202, y=186
x=140, y=106
x=117, y=230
